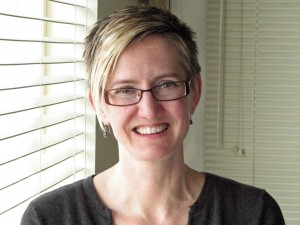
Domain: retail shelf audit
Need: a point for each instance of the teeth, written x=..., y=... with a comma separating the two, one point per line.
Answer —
x=151, y=130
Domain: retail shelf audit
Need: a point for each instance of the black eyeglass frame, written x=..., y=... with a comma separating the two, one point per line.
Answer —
x=187, y=92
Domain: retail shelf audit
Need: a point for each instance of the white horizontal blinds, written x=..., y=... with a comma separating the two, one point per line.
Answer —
x=258, y=108
x=277, y=118
x=43, y=107
x=229, y=107
x=214, y=78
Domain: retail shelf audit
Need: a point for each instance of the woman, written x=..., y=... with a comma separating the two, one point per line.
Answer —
x=144, y=83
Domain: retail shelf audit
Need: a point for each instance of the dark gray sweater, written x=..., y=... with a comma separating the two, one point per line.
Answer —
x=222, y=201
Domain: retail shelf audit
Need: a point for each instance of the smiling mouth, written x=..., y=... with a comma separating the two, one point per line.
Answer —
x=152, y=130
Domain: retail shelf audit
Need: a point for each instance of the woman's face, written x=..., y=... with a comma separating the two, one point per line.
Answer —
x=150, y=130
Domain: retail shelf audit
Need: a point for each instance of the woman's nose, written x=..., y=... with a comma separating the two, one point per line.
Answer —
x=148, y=106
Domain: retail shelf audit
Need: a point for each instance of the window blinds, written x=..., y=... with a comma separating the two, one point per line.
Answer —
x=46, y=124
x=252, y=119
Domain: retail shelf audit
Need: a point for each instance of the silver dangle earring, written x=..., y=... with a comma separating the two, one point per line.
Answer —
x=109, y=129
x=191, y=121
x=106, y=130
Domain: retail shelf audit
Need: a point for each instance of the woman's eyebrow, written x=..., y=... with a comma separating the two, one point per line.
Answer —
x=123, y=81
x=136, y=81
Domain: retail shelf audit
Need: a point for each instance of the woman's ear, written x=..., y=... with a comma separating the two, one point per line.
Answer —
x=100, y=113
x=196, y=91
x=91, y=99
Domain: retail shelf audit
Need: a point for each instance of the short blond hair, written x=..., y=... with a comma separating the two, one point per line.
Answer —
x=111, y=35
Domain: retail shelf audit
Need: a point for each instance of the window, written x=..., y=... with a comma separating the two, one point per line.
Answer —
x=252, y=121
x=47, y=128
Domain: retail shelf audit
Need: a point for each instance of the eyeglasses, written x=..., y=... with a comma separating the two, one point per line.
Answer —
x=167, y=91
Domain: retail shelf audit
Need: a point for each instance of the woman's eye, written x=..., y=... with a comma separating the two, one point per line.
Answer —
x=170, y=84
x=125, y=91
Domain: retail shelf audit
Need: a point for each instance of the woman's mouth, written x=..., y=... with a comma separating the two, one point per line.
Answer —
x=151, y=129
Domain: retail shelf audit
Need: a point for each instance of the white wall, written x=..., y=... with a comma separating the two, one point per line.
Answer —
x=193, y=12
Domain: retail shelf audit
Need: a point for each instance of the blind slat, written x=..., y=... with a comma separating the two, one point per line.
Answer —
x=45, y=60
x=14, y=82
x=40, y=40
x=45, y=19
x=22, y=149
x=19, y=106
x=74, y=3
x=13, y=175
x=48, y=177
x=33, y=124
x=17, y=210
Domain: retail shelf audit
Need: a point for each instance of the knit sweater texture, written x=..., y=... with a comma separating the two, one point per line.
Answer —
x=221, y=202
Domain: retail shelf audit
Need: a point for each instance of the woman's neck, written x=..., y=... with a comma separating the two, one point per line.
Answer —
x=158, y=189
x=152, y=178
x=153, y=186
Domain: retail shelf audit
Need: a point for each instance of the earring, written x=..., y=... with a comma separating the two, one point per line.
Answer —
x=191, y=121
x=106, y=129
x=104, y=132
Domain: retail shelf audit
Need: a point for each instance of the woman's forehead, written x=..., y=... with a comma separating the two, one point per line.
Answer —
x=151, y=58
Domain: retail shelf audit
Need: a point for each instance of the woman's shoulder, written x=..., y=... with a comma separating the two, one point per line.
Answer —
x=224, y=184
x=229, y=191
x=56, y=202
x=224, y=200
x=66, y=193
x=75, y=203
